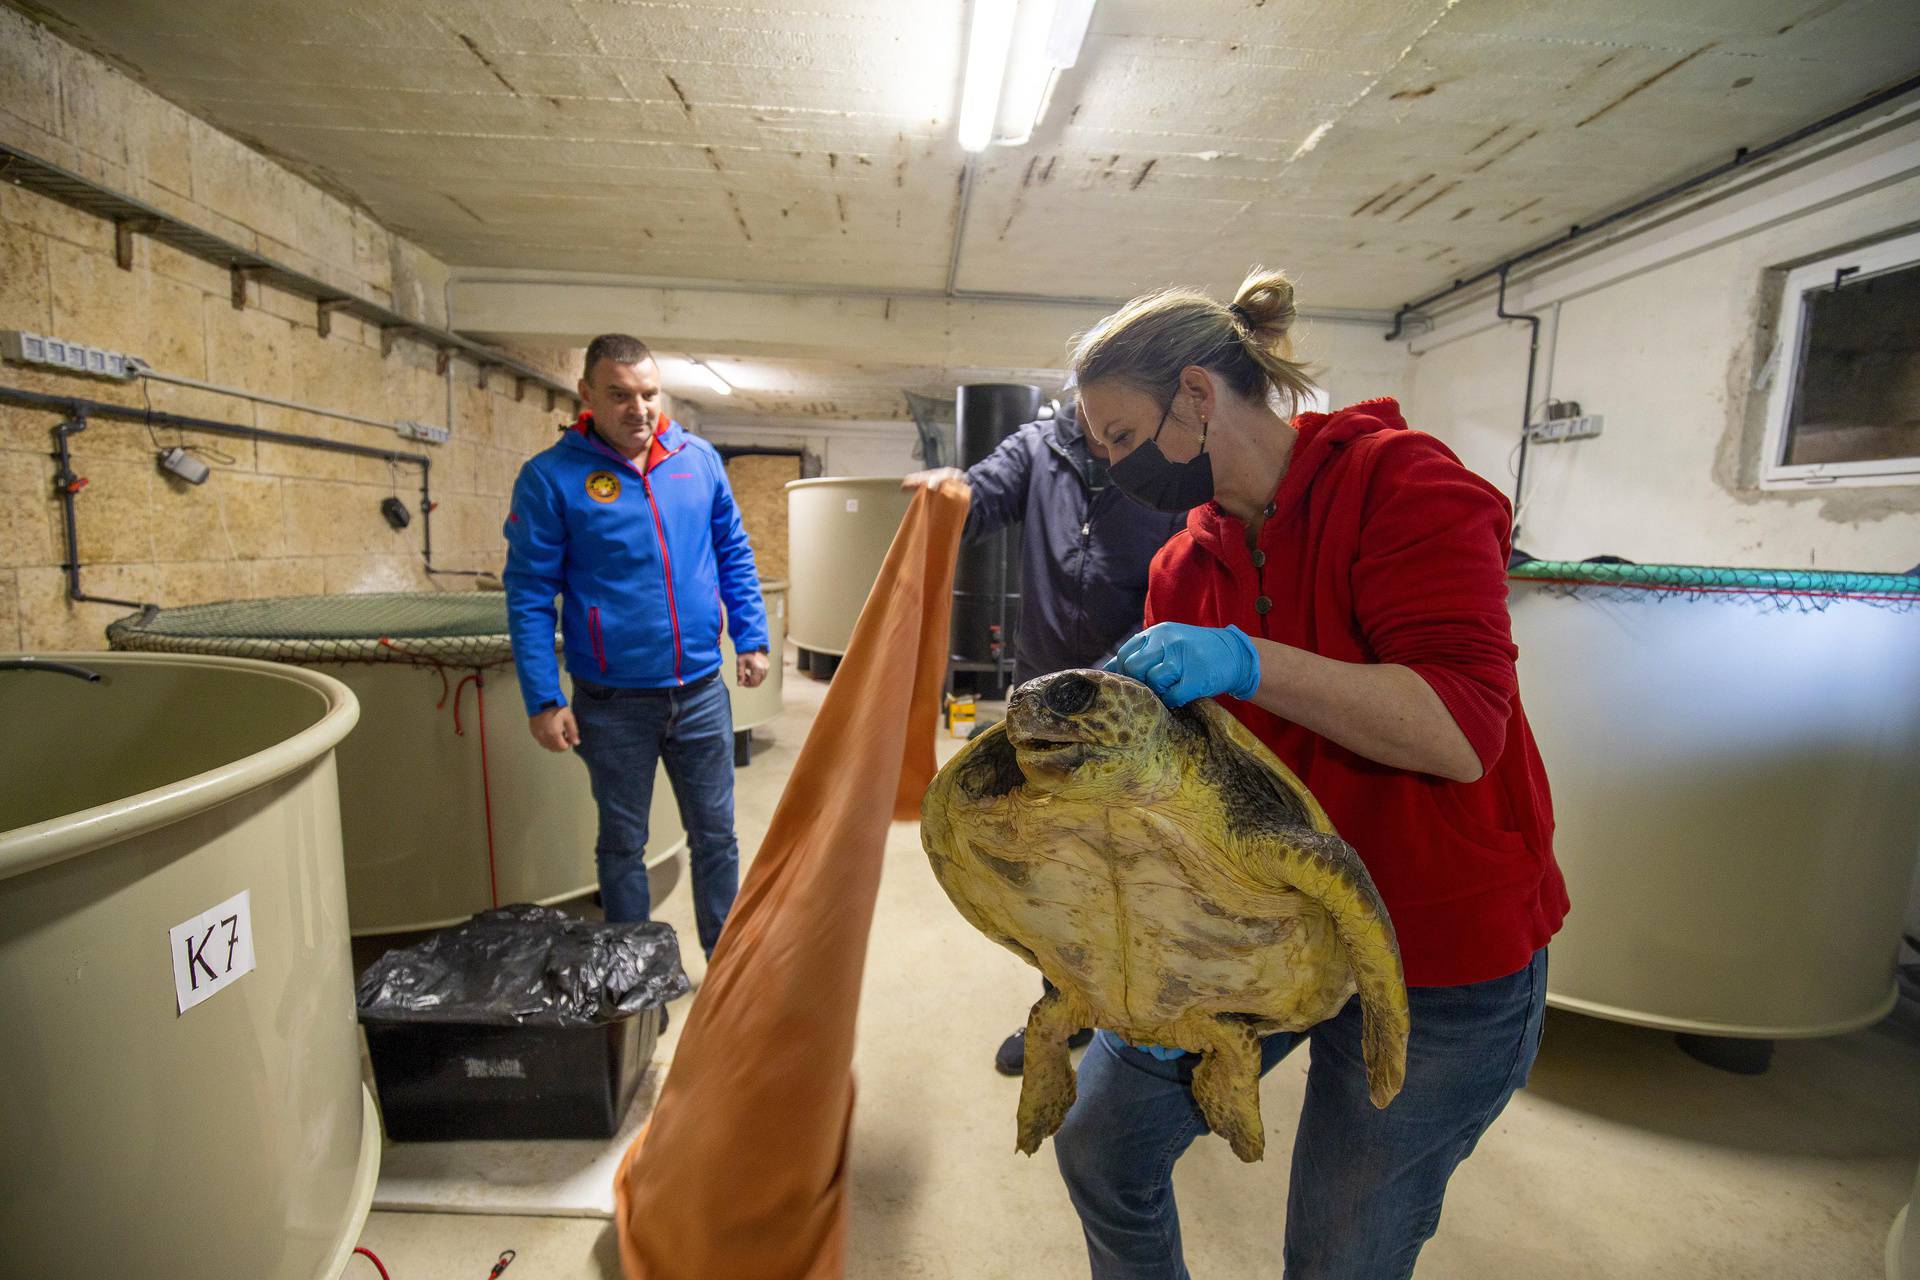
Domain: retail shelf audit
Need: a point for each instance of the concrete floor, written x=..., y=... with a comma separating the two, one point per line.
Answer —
x=1623, y=1158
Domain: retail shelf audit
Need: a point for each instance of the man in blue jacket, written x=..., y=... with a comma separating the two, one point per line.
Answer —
x=630, y=521
x=1084, y=552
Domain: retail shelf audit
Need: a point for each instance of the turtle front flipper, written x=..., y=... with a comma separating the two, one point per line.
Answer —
x=1226, y=1084
x=1280, y=838
x=1047, y=1087
x=1325, y=868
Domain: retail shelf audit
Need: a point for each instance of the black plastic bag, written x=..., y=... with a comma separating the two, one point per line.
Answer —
x=523, y=965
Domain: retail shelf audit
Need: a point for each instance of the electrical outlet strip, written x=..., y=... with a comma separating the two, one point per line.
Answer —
x=24, y=347
x=1559, y=430
x=426, y=431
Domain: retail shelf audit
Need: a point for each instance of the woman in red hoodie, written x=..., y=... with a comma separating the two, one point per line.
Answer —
x=1341, y=588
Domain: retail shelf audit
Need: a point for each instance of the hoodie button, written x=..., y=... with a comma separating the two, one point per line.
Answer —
x=1262, y=605
x=1259, y=559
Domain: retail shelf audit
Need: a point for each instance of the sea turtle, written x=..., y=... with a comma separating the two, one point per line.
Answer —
x=1175, y=882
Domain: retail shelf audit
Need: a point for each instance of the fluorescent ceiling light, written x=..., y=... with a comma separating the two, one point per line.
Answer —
x=988, y=38
x=1016, y=50
x=706, y=374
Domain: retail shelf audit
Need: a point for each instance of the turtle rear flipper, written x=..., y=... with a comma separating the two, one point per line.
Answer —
x=1226, y=1084
x=1047, y=1087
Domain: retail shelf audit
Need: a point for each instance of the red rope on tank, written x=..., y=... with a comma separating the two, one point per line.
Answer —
x=486, y=784
x=387, y=642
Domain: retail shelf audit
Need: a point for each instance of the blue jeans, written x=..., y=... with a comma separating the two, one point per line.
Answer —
x=624, y=735
x=1366, y=1185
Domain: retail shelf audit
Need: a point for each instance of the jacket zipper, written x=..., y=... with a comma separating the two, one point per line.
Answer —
x=666, y=561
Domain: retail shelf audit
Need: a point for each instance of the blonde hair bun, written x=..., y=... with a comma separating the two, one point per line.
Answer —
x=1265, y=301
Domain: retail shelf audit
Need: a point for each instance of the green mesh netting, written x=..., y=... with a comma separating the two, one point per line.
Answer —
x=1797, y=589
x=459, y=629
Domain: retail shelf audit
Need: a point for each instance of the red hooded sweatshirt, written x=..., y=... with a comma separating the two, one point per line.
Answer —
x=1384, y=548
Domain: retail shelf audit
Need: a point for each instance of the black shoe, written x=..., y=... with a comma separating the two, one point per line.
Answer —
x=1011, y=1060
x=663, y=1021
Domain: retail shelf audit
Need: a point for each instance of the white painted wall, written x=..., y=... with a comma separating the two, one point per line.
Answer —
x=1667, y=355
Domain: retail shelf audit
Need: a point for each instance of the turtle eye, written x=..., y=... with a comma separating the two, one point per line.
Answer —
x=1070, y=695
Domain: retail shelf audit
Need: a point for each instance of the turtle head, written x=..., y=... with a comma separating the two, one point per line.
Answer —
x=1091, y=732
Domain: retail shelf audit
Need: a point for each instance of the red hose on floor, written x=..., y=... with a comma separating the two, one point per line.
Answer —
x=506, y=1259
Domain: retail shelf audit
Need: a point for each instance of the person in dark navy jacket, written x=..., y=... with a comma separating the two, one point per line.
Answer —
x=1084, y=551
x=629, y=520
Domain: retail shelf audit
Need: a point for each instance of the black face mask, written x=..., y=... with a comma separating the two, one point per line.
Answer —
x=1146, y=476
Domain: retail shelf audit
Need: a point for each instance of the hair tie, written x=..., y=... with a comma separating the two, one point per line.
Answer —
x=1241, y=314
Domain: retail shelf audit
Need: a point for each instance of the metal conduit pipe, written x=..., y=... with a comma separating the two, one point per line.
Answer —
x=1742, y=158
x=1526, y=405
x=77, y=410
x=149, y=372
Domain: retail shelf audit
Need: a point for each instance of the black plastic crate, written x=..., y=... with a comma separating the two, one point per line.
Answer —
x=442, y=1082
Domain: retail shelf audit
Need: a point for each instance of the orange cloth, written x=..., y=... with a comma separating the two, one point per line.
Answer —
x=740, y=1173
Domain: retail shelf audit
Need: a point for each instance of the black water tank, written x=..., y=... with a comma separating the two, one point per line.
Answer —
x=986, y=580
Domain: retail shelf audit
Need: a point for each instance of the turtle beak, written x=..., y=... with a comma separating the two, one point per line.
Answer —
x=1040, y=715
x=1043, y=724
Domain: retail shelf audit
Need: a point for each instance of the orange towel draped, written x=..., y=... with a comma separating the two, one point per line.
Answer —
x=741, y=1171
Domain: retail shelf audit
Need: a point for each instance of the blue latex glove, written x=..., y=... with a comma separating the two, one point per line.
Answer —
x=1181, y=662
x=1160, y=1051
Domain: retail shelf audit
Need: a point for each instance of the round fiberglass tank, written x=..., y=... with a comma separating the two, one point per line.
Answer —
x=170, y=1110
x=838, y=532
x=1733, y=776
x=447, y=803
x=755, y=707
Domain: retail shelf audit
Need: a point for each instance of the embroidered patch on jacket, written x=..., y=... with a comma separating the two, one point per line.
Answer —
x=603, y=486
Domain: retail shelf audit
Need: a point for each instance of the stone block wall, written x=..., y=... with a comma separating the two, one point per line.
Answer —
x=272, y=519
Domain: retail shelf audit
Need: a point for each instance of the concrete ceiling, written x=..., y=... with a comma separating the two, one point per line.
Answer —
x=1376, y=148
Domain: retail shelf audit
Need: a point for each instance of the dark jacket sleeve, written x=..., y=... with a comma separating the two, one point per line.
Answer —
x=1430, y=583
x=999, y=483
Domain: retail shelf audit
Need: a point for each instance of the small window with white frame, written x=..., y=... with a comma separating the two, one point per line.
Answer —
x=1843, y=407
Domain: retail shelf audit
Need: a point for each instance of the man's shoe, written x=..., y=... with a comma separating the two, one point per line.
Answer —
x=1011, y=1060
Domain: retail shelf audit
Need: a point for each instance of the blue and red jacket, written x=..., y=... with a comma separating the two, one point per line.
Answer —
x=645, y=557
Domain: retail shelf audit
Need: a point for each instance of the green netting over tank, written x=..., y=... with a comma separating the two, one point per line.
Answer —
x=458, y=629
x=1781, y=588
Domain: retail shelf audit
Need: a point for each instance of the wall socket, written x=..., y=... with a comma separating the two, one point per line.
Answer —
x=426, y=431
x=1556, y=430
x=24, y=347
